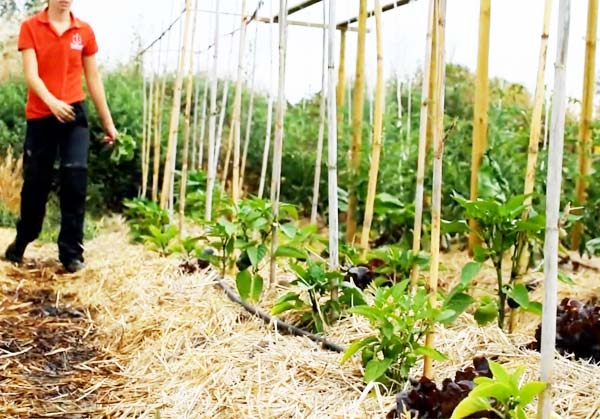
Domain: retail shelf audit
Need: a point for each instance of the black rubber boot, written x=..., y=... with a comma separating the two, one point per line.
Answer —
x=14, y=252
x=74, y=266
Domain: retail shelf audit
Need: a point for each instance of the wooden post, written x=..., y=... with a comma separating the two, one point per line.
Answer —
x=279, y=132
x=553, y=188
x=377, y=131
x=321, y=135
x=480, y=113
x=426, y=106
x=212, y=124
x=532, y=151
x=341, y=82
x=267, y=148
x=357, y=122
x=186, y=132
x=438, y=153
x=175, y=112
x=332, y=143
x=587, y=108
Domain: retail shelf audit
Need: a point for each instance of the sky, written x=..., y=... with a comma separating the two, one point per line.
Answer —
x=122, y=25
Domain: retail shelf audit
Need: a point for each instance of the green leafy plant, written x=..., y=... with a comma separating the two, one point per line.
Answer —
x=499, y=226
x=161, y=238
x=141, y=214
x=317, y=306
x=504, y=395
x=401, y=320
x=123, y=149
x=396, y=262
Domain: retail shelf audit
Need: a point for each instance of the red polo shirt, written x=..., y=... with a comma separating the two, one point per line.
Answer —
x=60, y=59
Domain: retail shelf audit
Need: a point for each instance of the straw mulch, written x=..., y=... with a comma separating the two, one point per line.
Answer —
x=162, y=344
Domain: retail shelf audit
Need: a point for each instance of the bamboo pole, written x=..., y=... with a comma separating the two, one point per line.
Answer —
x=409, y=113
x=267, y=147
x=321, y=135
x=186, y=132
x=341, y=82
x=480, y=113
x=194, y=162
x=532, y=153
x=237, y=109
x=145, y=101
x=587, y=109
x=555, y=160
x=149, y=125
x=279, y=132
x=221, y=127
x=160, y=94
x=426, y=106
x=175, y=112
x=212, y=123
x=438, y=153
x=377, y=131
x=202, y=137
x=249, y=118
x=357, y=122
x=432, y=88
x=332, y=143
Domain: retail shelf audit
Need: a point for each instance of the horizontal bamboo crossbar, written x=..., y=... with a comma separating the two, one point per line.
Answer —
x=386, y=8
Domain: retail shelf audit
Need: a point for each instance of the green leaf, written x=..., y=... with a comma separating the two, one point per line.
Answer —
x=289, y=229
x=458, y=303
x=453, y=227
x=431, y=353
x=357, y=346
x=535, y=308
x=469, y=271
x=498, y=390
x=256, y=254
x=499, y=372
x=371, y=313
x=529, y=390
x=469, y=406
x=565, y=279
x=290, y=252
x=520, y=294
x=256, y=287
x=486, y=312
x=376, y=368
x=243, y=282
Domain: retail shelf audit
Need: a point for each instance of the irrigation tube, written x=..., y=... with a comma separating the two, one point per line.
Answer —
x=280, y=325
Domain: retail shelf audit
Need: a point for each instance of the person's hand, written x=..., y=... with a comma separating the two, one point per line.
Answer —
x=62, y=111
x=110, y=134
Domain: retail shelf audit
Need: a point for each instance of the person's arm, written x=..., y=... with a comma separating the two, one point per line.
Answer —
x=96, y=89
x=60, y=109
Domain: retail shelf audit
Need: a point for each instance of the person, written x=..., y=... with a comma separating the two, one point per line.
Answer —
x=57, y=49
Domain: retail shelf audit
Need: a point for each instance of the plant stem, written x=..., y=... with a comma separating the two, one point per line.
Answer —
x=501, y=293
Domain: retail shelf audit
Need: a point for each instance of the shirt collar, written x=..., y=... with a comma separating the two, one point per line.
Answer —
x=43, y=17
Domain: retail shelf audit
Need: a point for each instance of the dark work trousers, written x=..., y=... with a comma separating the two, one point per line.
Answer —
x=45, y=138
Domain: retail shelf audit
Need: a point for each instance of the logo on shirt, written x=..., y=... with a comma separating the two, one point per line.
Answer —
x=77, y=42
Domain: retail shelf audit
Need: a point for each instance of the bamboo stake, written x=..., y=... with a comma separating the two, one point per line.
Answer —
x=278, y=145
x=267, y=148
x=438, y=154
x=202, y=137
x=587, y=108
x=399, y=99
x=144, y=130
x=148, y=141
x=357, y=121
x=532, y=154
x=555, y=161
x=426, y=106
x=212, y=122
x=194, y=163
x=377, y=130
x=186, y=132
x=332, y=144
x=223, y=111
x=432, y=88
x=409, y=113
x=160, y=94
x=249, y=118
x=322, y=110
x=341, y=82
x=480, y=114
x=175, y=112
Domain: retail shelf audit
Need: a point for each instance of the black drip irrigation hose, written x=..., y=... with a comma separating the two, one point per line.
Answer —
x=282, y=326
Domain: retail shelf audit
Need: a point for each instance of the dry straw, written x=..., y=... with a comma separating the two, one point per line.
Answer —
x=11, y=180
x=169, y=345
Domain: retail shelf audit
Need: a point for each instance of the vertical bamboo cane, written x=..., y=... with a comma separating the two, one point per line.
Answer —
x=175, y=112
x=480, y=114
x=438, y=153
x=357, y=122
x=160, y=94
x=587, y=108
x=409, y=113
x=377, y=130
x=221, y=122
x=322, y=110
x=532, y=154
x=202, y=136
x=278, y=145
x=145, y=101
x=186, y=132
x=426, y=105
x=194, y=163
x=555, y=161
x=249, y=118
x=341, y=81
x=146, y=150
x=332, y=143
x=267, y=148
x=212, y=124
